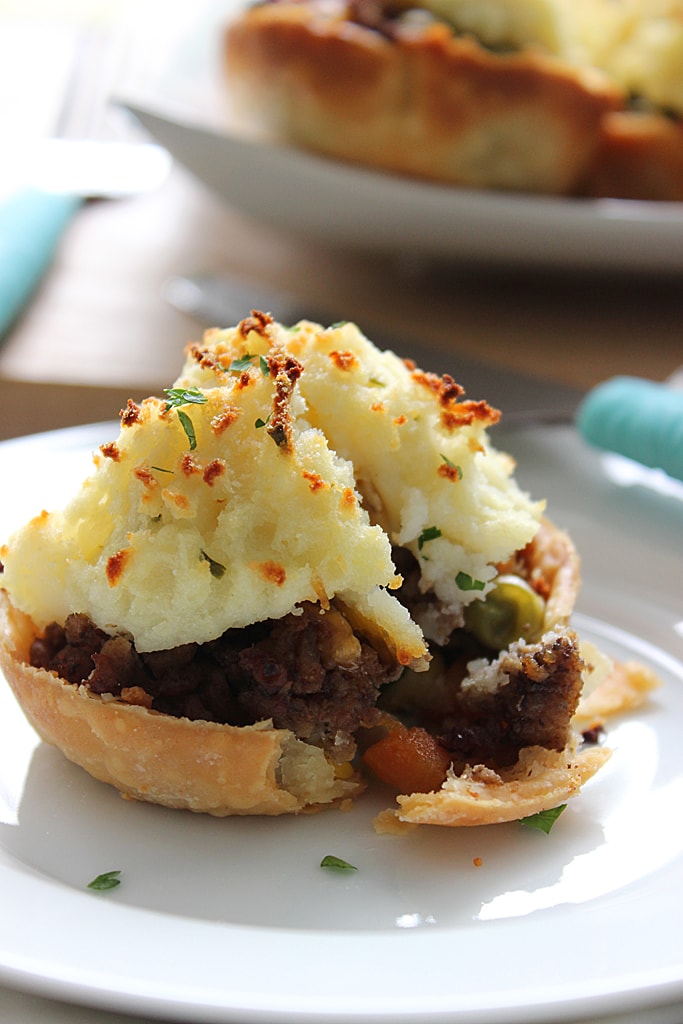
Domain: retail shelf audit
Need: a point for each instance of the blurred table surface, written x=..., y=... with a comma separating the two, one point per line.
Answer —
x=100, y=329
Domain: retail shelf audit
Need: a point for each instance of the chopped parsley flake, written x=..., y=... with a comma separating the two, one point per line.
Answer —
x=452, y=465
x=217, y=570
x=188, y=427
x=429, y=533
x=336, y=863
x=184, y=396
x=247, y=361
x=465, y=582
x=544, y=820
x=262, y=423
x=108, y=880
x=375, y=382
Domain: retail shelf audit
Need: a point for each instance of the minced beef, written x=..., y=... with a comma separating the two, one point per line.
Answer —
x=532, y=705
x=309, y=672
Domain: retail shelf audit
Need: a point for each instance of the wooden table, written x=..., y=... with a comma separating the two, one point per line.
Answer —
x=100, y=330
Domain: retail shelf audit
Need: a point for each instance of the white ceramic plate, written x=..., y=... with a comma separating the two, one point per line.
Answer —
x=234, y=919
x=178, y=92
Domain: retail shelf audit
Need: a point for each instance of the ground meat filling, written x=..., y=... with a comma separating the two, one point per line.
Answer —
x=484, y=711
x=309, y=672
x=526, y=698
x=484, y=707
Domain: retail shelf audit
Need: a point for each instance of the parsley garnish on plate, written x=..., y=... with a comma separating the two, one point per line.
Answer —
x=336, y=863
x=106, y=881
x=544, y=820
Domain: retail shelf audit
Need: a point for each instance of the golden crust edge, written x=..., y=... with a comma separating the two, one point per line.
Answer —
x=198, y=766
x=540, y=780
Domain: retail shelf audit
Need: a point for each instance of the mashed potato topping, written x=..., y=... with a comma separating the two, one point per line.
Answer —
x=421, y=456
x=174, y=544
x=639, y=43
x=282, y=467
x=647, y=57
x=509, y=24
x=253, y=563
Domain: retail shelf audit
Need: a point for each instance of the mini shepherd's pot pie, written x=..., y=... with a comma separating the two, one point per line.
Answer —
x=304, y=567
x=501, y=94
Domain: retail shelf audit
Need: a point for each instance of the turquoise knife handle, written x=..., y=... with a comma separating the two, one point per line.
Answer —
x=31, y=225
x=638, y=418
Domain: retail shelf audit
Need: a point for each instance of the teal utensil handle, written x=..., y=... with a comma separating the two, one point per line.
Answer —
x=31, y=225
x=640, y=419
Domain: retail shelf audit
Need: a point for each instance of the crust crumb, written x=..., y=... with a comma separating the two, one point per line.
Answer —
x=111, y=451
x=258, y=322
x=271, y=571
x=286, y=371
x=116, y=565
x=223, y=420
x=207, y=359
x=348, y=500
x=455, y=416
x=450, y=472
x=146, y=477
x=214, y=470
x=388, y=823
x=344, y=360
x=136, y=695
x=189, y=466
x=315, y=481
x=131, y=414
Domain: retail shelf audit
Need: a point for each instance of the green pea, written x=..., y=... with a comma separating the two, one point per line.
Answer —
x=512, y=610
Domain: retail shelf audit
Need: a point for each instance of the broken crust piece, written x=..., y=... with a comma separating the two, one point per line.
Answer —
x=625, y=687
x=554, y=557
x=638, y=156
x=194, y=765
x=541, y=779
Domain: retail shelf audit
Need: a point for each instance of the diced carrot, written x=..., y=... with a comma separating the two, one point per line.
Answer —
x=410, y=760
